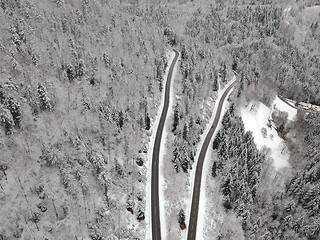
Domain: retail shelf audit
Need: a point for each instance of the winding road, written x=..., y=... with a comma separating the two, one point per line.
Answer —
x=156, y=227
x=192, y=229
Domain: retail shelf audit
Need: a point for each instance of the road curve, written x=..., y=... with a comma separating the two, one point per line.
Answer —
x=193, y=218
x=285, y=101
x=156, y=227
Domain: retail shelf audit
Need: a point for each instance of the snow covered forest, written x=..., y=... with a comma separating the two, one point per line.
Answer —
x=80, y=86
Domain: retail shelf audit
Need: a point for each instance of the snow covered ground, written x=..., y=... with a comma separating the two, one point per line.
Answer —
x=284, y=107
x=216, y=220
x=257, y=118
x=206, y=167
x=154, y=127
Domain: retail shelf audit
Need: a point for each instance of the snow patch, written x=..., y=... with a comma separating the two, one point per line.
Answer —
x=286, y=15
x=257, y=119
x=285, y=107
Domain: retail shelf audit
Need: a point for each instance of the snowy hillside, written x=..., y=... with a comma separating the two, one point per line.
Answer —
x=81, y=84
x=77, y=92
x=258, y=119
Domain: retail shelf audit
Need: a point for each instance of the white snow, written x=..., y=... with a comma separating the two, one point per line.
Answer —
x=206, y=166
x=286, y=15
x=154, y=127
x=256, y=117
x=284, y=107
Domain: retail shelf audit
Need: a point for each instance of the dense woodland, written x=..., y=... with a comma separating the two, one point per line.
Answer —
x=80, y=86
x=289, y=213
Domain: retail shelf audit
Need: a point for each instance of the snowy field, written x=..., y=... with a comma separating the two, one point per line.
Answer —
x=257, y=118
x=280, y=105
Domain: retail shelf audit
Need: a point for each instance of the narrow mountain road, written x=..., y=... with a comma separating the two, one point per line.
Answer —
x=155, y=215
x=285, y=101
x=192, y=229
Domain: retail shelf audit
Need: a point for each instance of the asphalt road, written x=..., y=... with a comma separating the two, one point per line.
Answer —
x=156, y=227
x=192, y=230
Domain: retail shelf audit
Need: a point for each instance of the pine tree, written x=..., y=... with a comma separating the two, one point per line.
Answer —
x=175, y=159
x=214, y=169
x=185, y=132
x=15, y=110
x=226, y=187
x=216, y=141
x=80, y=71
x=2, y=95
x=182, y=217
x=215, y=83
x=45, y=103
x=175, y=119
x=130, y=202
x=118, y=168
x=223, y=72
x=234, y=65
x=185, y=164
x=70, y=72
x=6, y=119
x=120, y=119
x=147, y=122
x=184, y=54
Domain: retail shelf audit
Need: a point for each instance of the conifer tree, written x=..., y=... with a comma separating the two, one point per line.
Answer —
x=15, y=110
x=6, y=119
x=45, y=103
x=175, y=119
x=182, y=217
x=185, y=132
x=214, y=169
x=147, y=122
x=70, y=72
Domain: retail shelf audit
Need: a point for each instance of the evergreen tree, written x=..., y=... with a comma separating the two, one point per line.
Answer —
x=118, y=168
x=175, y=119
x=214, y=169
x=216, y=141
x=15, y=110
x=185, y=132
x=70, y=72
x=215, y=83
x=147, y=122
x=6, y=119
x=182, y=217
x=223, y=71
x=2, y=95
x=45, y=103
x=80, y=71
x=120, y=119
x=226, y=187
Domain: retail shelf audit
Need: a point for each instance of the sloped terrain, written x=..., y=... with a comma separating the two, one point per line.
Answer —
x=79, y=83
x=80, y=86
